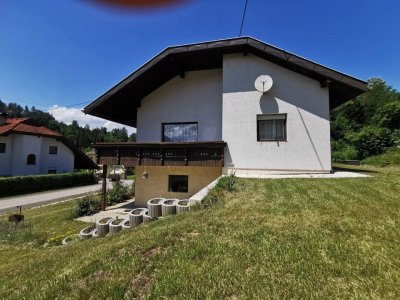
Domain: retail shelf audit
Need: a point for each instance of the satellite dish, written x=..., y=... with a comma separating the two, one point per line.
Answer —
x=263, y=83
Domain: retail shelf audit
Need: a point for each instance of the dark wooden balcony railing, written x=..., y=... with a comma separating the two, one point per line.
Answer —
x=161, y=154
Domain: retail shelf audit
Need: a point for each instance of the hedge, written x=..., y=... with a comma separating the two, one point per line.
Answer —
x=30, y=184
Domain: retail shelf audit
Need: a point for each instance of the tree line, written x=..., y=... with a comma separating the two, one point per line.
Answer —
x=367, y=125
x=81, y=136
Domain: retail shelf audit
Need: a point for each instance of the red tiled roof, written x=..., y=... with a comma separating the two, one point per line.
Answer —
x=10, y=124
x=16, y=125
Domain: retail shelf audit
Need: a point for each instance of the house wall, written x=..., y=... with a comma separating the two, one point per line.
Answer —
x=303, y=100
x=19, y=146
x=5, y=158
x=63, y=161
x=23, y=145
x=195, y=98
x=156, y=185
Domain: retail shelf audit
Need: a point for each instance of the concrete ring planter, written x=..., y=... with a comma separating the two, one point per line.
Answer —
x=147, y=218
x=70, y=239
x=103, y=226
x=136, y=216
x=86, y=233
x=115, y=226
x=182, y=206
x=154, y=207
x=126, y=224
x=168, y=207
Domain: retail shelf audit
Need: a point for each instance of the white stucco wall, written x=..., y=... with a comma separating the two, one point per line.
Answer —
x=23, y=145
x=13, y=162
x=303, y=100
x=195, y=98
x=5, y=158
x=63, y=161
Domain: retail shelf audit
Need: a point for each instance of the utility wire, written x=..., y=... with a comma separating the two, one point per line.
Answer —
x=36, y=103
x=244, y=14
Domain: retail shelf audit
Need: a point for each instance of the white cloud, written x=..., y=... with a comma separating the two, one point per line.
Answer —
x=67, y=115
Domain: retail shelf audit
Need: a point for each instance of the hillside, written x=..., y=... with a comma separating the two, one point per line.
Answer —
x=293, y=238
x=368, y=125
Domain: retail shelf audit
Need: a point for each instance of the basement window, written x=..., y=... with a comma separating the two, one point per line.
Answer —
x=178, y=183
x=52, y=171
x=53, y=149
x=179, y=132
x=2, y=147
x=271, y=127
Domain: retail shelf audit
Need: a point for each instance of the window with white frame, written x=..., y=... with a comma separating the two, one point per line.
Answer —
x=271, y=127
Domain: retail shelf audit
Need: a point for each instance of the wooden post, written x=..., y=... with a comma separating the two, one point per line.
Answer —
x=104, y=188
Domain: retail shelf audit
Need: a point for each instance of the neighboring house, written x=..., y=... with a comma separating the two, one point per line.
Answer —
x=31, y=150
x=203, y=110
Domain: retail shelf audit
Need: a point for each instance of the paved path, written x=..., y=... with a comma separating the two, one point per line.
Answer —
x=36, y=199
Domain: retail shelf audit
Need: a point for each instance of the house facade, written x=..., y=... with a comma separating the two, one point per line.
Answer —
x=31, y=150
x=199, y=113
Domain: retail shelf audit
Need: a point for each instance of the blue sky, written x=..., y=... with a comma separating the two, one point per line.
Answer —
x=66, y=52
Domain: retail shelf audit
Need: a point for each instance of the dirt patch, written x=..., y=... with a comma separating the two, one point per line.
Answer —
x=140, y=285
x=146, y=256
x=96, y=277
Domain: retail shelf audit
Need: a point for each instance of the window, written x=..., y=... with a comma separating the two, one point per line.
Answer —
x=53, y=149
x=52, y=171
x=271, y=127
x=179, y=132
x=178, y=183
x=2, y=147
x=31, y=159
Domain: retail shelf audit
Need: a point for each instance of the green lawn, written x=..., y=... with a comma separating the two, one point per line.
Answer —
x=291, y=238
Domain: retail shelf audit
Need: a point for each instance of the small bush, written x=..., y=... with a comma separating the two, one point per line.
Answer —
x=86, y=206
x=371, y=141
x=118, y=193
x=228, y=183
x=30, y=184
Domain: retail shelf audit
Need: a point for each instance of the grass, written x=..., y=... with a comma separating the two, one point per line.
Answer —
x=389, y=158
x=292, y=238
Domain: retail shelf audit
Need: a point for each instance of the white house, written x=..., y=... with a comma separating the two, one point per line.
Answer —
x=31, y=150
x=236, y=105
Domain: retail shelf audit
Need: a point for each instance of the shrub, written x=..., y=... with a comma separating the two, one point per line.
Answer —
x=117, y=193
x=86, y=206
x=371, y=140
x=29, y=184
x=342, y=151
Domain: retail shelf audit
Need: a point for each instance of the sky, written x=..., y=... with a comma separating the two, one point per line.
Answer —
x=60, y=55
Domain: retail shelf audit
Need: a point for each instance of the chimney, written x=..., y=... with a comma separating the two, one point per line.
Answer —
x=3, y=118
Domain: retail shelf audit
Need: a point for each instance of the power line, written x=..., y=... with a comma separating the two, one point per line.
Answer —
x=38, y=105
x=244, y=14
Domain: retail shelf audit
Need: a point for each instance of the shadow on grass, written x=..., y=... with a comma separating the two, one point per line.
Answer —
x=352, y=169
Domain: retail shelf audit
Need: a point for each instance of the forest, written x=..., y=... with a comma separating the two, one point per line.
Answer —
x=81, y=136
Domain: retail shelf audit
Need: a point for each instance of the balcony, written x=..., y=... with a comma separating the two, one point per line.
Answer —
x=210, y=154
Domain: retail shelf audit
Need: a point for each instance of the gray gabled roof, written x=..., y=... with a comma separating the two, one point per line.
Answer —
x=120, y=103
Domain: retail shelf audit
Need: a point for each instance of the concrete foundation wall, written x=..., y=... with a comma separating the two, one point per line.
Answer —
x=156, y=185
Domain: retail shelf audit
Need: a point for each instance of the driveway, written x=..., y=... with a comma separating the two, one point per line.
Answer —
x=8, y=204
